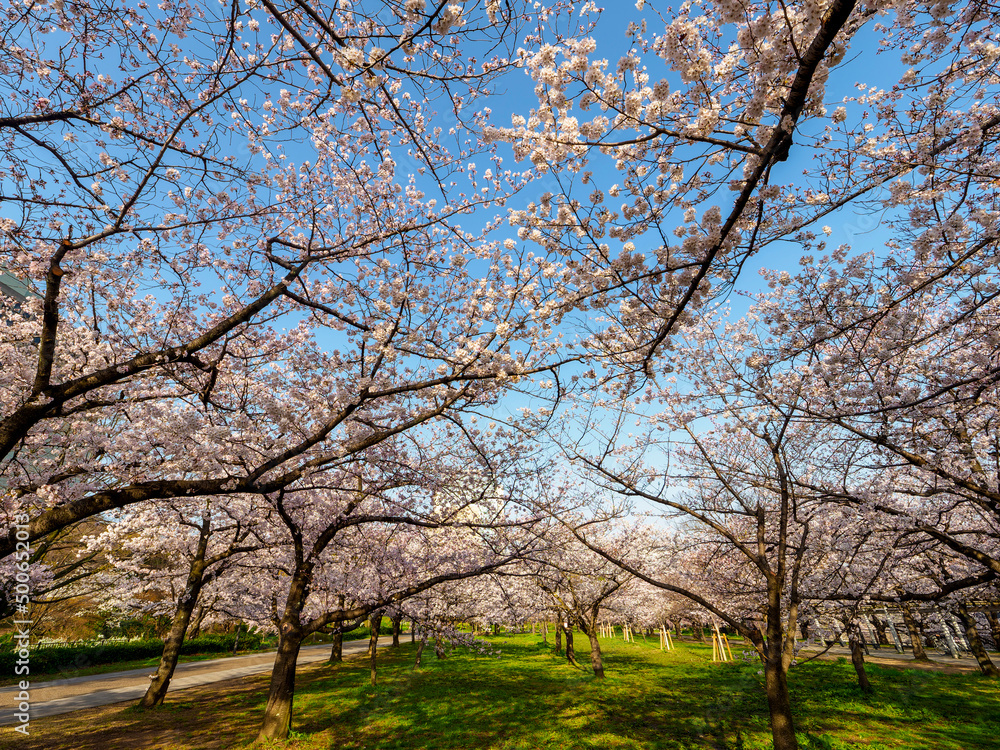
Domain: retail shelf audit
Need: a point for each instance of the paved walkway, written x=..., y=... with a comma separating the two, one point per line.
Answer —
x=889, y=655
x=75, y=693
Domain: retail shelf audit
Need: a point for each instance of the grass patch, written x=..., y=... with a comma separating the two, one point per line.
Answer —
x=528, y=698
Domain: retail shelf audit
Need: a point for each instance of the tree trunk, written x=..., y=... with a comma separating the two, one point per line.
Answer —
x=986, y=666
x=994, y=621
x=278, y=713
x=595, y=652
x=880, y=631
x=397, y=623
x=413, y=631
x=779, y=703
x=420, y=652
x=157, y=689
x=194, y=629
x=857, y=655
x=439, y=651
x=558, y=630
x=911, y=626
x=374, y=625
x=570, y=654
x=337, y=648
x=677, y=628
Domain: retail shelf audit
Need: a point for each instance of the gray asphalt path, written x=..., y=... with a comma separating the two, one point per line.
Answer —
x=75, y=693
x=889, y=655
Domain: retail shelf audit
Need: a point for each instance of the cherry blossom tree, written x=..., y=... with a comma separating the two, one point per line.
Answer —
x=904, y=375
x=203, y=249
x=178, y=548
x=726, y=129
x=583, y=587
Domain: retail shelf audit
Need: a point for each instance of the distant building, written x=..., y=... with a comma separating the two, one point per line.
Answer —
x=11, y=287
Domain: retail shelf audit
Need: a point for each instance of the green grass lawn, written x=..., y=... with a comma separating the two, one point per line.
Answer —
x=527, y=698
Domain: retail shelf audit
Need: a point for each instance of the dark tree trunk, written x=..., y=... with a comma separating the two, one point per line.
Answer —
x=677, y=628
x=194, y=629
x=880, y=631
x=986, y=666
x=278, y=713
x=157, y=689
x=857, y=655
x=413, y=631
x=558, y=629
x=420, y=652
x=337, y=647
x=994, y=621
x=595, y=653
x=374, y=625
x=439, y=651
x=915, y=643
x=779, y=703
x=397, y=623
x=570, y=653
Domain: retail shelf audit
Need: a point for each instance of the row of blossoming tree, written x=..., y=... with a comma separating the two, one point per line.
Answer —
x=278, y=271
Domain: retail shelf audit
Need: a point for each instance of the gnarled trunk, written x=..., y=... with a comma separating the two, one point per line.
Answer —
x=278, y=713
x=337, y=647
x=857, y=655
x=595, y=653
x=994, y=621
x=374, y=625
x=570, y=653
x=915, y=643
x=775, y=671
x=420, y=652
x=194, y=629
x=986, y=666
x=397, y=623
x=157, y=689
x=558, y=630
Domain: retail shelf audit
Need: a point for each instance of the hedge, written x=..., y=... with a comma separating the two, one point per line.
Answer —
x=47, y=659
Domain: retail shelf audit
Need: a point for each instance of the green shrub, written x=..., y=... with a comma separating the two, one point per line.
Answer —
x=48, y=659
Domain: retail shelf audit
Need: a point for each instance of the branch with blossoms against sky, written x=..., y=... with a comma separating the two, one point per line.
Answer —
x=903, y=374
x=694, y=131
x=207, y=251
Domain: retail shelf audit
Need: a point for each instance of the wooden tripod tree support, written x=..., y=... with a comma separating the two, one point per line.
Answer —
x=627, y=633
x=666, y=643
x=720, y=646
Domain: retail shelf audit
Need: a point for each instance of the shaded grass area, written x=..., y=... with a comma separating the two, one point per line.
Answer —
x=528, y=698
